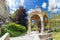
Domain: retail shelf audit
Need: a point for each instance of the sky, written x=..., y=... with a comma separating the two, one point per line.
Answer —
x=45, y=5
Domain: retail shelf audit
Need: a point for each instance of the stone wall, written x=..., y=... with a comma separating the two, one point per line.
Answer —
x=46, y=36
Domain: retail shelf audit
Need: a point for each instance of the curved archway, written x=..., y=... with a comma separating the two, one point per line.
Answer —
x=37, y=22
x=45, y=18
x=37, y=16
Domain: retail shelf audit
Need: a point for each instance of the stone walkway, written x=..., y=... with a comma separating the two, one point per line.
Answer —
x=32, y=36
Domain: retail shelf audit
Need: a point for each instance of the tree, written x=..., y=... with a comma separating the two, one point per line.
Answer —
x=20, y=16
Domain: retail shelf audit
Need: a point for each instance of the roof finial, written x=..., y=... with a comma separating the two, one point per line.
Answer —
x=37, y=6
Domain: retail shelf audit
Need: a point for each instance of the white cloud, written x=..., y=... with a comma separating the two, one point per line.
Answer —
x=14, y=3
x=54, y=5
x=12, y=12
x=22, y=2
x=44, y=5
x=11, y=3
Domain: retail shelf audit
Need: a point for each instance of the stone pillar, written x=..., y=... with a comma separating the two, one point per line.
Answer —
x=29, y=25
x=42, y=26
x=36, y=24
x=44, y=35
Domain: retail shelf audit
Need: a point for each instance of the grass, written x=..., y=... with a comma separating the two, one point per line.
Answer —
x=56, y=35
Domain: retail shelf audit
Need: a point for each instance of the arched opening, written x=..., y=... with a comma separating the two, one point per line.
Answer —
x=45, y=18
x=35, y=23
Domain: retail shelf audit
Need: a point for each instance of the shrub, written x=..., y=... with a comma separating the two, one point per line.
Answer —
x=14, y=29
x=33, y=28
x=57, y=30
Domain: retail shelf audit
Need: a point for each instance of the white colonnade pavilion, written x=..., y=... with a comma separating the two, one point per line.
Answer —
x=37, y=15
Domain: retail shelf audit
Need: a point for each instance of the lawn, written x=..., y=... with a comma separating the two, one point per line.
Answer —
x=56, y=35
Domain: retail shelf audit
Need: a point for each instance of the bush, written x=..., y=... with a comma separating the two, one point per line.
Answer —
x=33, y=28
x=57, y=30
x=14, y=29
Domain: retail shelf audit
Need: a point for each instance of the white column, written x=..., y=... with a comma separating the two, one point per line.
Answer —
x=29, y=26
x=42, y=26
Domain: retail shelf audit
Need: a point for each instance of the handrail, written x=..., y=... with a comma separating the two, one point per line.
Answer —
x=5, y=37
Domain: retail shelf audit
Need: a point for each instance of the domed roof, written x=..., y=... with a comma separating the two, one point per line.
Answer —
x=37, y=8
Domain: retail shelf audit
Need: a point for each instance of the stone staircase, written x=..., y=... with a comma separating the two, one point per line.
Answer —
x=34, y=35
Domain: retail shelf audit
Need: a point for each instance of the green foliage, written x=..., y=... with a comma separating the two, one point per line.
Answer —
x=51, y=25
x=57, y=24
x=20, y=16
x=14, y=14
x=56, y=35
x=58, y=30
x=33, y=27
x=57, y=17
x=14, y=29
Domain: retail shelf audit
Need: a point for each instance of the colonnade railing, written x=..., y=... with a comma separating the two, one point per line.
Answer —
x=5, y=37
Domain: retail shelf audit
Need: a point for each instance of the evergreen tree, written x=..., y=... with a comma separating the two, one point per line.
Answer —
x=20, y=16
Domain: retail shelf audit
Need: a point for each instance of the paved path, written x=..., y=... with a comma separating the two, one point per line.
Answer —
x=32, y=36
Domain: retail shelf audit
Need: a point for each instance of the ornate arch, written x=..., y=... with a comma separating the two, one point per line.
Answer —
x=36, y=13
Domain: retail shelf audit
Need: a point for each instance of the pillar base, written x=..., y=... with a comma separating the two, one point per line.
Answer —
x=28, y=32
x=46, y=36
